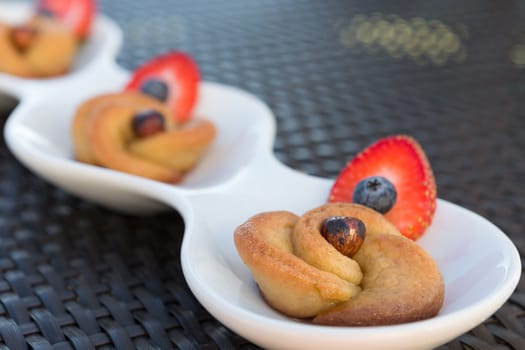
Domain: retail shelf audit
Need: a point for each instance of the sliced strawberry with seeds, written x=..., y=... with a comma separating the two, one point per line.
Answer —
x=173, y=78
x=402, y=161
x=75, y=14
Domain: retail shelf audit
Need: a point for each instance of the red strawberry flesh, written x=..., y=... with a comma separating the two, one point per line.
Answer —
x=181, y=75
x=78, y=15
x=403, y=162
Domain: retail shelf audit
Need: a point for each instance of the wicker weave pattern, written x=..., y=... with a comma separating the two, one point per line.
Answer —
x=75, y=276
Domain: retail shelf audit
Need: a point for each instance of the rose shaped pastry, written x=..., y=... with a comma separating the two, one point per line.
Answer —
x=340, y=264
x=39, y=48
x=147, y=129
x=46, y=44
x=135, y=133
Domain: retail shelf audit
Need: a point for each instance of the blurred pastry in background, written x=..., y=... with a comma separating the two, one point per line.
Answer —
x=46, y=44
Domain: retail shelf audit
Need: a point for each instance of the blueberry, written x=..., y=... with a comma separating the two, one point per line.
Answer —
x=345, y=233
x=375, y=192
x=155, y=88
x=147, y=122
x=45, y=12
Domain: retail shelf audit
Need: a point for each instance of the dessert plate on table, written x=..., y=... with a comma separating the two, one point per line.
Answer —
x=240, y=177
x=100, y=49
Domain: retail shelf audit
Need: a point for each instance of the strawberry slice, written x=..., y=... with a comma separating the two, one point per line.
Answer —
x=401, y=160
x=173, y=78
x=76, y=14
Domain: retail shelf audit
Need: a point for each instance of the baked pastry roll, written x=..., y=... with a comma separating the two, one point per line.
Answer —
x=389, y=280
x=40, y=48
x=105, y=133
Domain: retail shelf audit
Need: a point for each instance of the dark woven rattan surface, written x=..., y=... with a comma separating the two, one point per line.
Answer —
x=338, y=75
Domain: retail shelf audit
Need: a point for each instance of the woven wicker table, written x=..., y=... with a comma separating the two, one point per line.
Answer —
x=338, y=75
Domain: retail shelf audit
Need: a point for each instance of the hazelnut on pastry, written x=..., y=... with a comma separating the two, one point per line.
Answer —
x=313, y=248
x=385, y=279
x=135, y=133
x=287, y=283
x=40, y=48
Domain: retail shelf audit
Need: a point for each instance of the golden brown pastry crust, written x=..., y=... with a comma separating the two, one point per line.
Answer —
x=288, y=284
x=187, y=144
x=103, y=135
x=400, y=281
x=90, y=108
x=51, y=52
x=311, y=246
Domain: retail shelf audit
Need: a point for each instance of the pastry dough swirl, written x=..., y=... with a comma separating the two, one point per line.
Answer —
x=389, y=280
x=103, y=135
x=48, y=48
